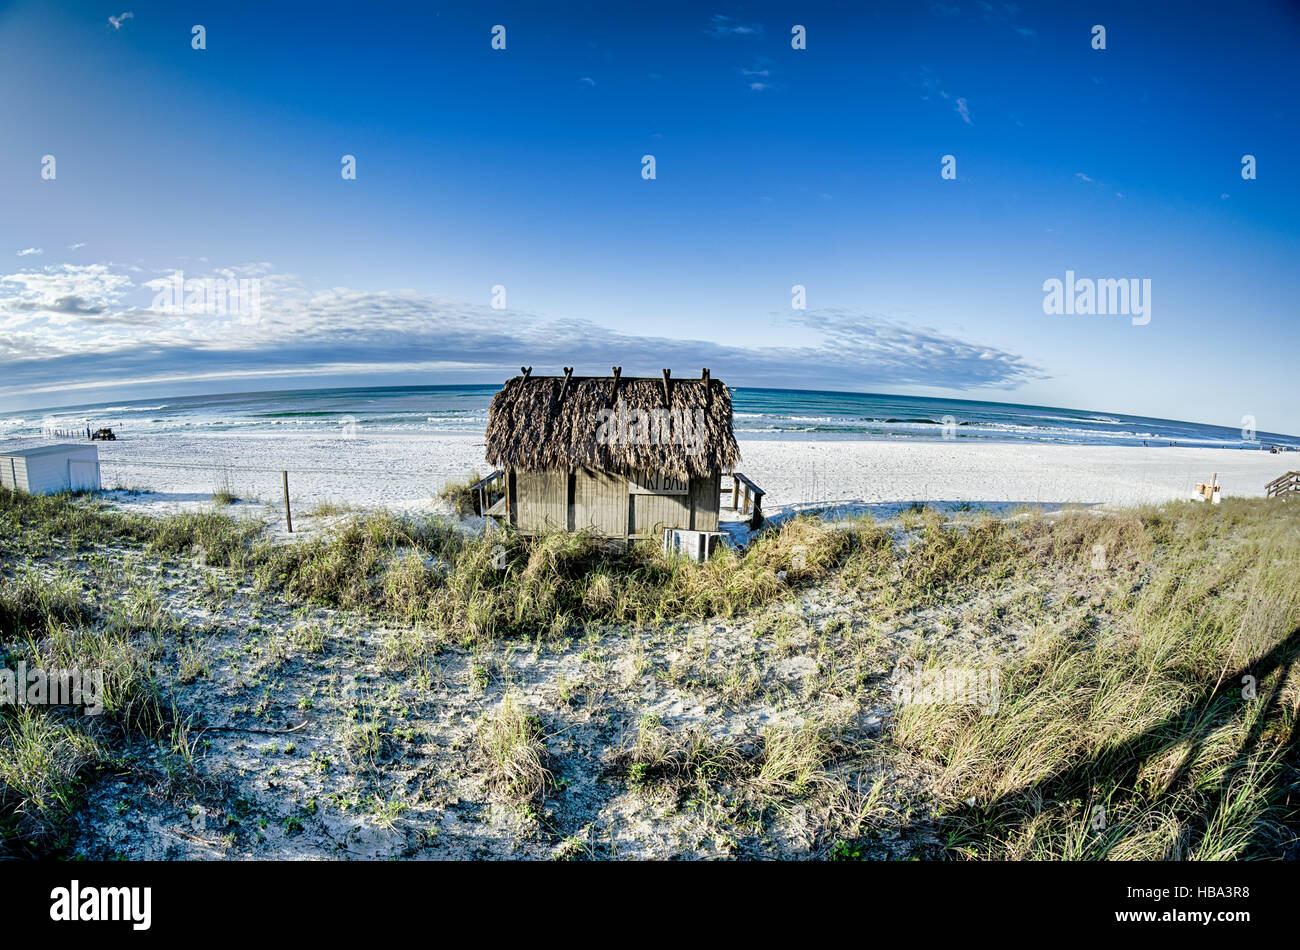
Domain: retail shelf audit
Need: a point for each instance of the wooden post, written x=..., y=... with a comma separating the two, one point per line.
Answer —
x=288, y=515
x=613, y=399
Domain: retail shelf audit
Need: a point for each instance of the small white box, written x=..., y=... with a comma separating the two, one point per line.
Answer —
x=696, y=545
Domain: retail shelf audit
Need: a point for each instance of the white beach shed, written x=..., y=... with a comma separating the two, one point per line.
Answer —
x=48, y=469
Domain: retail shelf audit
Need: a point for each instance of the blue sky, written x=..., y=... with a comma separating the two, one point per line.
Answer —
x=820, y=167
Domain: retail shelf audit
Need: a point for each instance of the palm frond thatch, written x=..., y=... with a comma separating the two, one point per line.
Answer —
x=623, y=430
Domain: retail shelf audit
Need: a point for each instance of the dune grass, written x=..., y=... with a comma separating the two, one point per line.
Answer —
x=1168, y=730
x=513, y=747
x=458, y=496
x=427, y=572
x=48, y=752
x=1152, y=713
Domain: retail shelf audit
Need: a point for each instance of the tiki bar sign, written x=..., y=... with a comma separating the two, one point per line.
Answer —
x=657, y=483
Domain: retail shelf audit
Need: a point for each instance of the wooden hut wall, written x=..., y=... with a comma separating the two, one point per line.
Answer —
x=540, y=500
x=705, y=497
x=600, y=502
x=652, y=513
x=603, y=502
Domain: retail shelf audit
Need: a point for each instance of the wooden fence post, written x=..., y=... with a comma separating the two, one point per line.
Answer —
x=288, y=515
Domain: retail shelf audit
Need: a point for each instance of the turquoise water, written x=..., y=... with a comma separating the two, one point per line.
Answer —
x=759, y=413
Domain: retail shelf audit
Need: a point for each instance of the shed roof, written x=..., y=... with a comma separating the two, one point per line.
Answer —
x=613, y=424
x=36, y=451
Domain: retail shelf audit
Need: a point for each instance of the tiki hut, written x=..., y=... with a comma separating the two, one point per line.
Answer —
x=622, y=457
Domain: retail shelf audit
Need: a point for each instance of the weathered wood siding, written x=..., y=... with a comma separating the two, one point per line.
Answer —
x=540, y=500
x=603, y=502
x=652, y=513
x=704, y=501
x=600, y=503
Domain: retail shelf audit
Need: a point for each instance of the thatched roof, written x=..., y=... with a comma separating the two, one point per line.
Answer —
x=612, y=424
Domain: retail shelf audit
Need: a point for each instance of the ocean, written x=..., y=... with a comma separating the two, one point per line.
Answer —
x=758, y=414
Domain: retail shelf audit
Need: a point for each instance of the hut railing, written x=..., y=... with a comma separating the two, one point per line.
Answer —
x=1283, y=486
x=744, y=496
x=483, y=491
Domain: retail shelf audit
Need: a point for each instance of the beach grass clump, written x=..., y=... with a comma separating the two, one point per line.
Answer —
x=43, y=761
x=681, y=764
x=512, y=747
x=223, y=490
x=47, y=752
x=741, y=782
x=793, y=761
x=34, y=525
x=507, y=585
x=31, y=602
x=1105, y=540
x=214, y=538
x=1167, y=733
x=378, y=562
x=458, y=495
x=945, y=556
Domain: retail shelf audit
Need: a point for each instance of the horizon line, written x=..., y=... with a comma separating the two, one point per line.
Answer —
x=498, y=386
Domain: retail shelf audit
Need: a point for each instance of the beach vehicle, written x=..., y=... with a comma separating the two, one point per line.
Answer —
x=625, y=458
x=103, y=435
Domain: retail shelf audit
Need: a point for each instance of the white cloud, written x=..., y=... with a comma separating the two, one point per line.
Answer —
x=930, y=85
x=116, y=22
x=720, y=25
x=758, y=76
x=1007, y=13
x=95, y=323
x=31, y=251
x=79, y=244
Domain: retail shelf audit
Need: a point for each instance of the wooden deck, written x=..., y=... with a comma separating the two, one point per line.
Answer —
x=744, y=496
x=484, y=489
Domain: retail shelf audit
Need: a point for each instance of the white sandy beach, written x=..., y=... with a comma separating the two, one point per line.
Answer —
x=405, y=472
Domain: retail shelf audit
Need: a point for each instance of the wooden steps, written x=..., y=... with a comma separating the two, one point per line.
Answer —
x=1284, y=486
